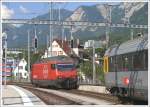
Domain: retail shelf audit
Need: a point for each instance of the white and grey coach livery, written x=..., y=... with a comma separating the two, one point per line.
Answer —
x=126, y=69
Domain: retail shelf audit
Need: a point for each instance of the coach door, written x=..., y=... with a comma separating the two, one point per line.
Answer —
x=105, y=65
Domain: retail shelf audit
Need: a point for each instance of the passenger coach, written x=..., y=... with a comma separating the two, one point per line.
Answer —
x=126, y=69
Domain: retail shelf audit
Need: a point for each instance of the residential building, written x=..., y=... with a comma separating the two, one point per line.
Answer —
x=60, y=47
x=20, y=71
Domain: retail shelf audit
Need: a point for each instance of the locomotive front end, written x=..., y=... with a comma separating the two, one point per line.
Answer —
x=66, y=75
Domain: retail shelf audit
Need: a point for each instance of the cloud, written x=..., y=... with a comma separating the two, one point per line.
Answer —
x=6, y=12
x=23, y=9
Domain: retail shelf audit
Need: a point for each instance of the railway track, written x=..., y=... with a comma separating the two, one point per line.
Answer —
x=71, y=97
x=51, y=96
x=94, y=95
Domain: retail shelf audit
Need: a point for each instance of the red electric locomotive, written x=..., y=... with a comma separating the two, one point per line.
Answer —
x=59, y=72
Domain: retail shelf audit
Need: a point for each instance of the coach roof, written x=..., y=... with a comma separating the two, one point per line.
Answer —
x=138, y=44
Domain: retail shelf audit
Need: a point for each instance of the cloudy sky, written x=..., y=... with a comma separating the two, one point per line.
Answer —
x=32, y=9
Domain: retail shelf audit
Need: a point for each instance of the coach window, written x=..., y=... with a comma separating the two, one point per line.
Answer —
x=110, y=64
x=113, y=64
x=138, y=61
x=125, y=63
x=119, y=62
x=129, y=55
x=146, y=60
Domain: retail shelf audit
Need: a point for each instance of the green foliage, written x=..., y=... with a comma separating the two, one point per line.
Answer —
x=87, y=69
x=33, y=57
x=20, y=55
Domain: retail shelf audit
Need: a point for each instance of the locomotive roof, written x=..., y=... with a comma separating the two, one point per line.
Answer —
x=134, y=45
x=57, y=58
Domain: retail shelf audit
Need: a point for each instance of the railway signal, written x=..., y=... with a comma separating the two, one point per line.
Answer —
x=3, y=53
x=35, y=43
x=72, y=43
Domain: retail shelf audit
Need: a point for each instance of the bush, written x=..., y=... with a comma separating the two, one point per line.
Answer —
x=86, y=68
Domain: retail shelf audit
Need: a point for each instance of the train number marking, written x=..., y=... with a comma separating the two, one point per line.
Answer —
x=45, y=72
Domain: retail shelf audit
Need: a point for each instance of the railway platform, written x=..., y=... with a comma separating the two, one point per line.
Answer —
x=97, y=89
x=14, y=95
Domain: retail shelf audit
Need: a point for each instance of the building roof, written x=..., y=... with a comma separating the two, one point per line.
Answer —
x=65, y=45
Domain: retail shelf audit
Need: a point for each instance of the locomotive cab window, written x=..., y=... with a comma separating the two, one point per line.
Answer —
x=53, y=66
x=65, y=67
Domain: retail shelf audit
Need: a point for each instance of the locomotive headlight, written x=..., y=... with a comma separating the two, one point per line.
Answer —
x=59, y=77
x=126, y=80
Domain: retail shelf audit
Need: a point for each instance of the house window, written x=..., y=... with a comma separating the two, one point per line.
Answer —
x=54, y=53
x=20, y=67
x=60, y=53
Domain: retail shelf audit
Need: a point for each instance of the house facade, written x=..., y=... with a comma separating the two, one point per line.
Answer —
x=60, y=47
x=20, y=72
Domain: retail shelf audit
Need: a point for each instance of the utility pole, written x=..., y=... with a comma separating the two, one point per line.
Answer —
x=50, y=17
x=63, y=33
x=18, y=76
x=47, y=37
x=72, y=44
x=108, y=21
x=29, y=55
x=62, y=30
x=13, y=64
x=35, y=40
x=131, y=33
x=5, y=47
x=94, y=72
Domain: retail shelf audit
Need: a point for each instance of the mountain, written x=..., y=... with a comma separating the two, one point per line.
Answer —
x=42, y=30
x=140, y=16
x=86, y=13
x=136, y=12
